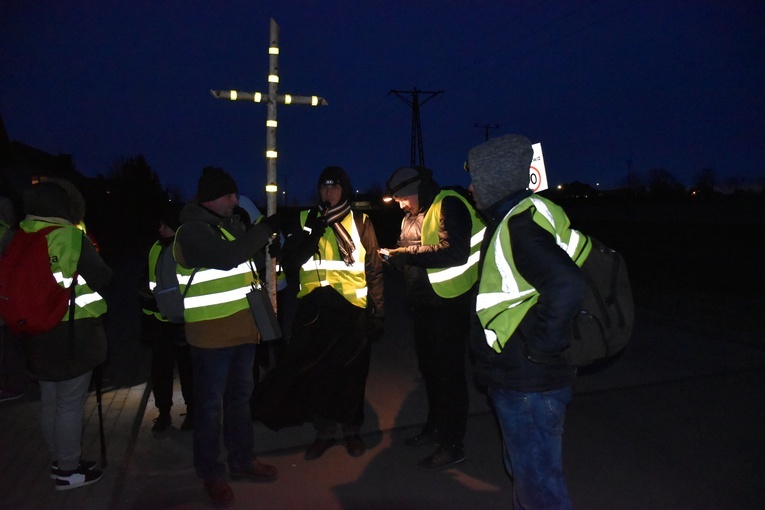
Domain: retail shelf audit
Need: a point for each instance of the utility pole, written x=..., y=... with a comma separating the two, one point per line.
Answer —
x=271, y=99
x=487, y=129
x=415, y=103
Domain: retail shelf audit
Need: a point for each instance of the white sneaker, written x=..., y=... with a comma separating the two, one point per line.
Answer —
x=87, y=465
x=80, y=477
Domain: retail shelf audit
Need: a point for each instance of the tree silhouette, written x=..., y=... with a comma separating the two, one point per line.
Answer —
x=137, y=200
x=662, y=183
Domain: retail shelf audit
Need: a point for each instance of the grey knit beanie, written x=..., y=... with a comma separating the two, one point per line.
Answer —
x=499, y=167
x=404, y=181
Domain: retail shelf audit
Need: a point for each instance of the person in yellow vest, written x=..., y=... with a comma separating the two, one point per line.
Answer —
x=340, y=311
x=165, y=335
x=214, y=254
x=63, y=358
x=529, y=292
x=438, y=253
x=13, y=377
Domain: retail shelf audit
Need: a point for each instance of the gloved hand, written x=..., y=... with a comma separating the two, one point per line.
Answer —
x=375, y=326
x=275, y=248
x=274, y=222
x=317, y=224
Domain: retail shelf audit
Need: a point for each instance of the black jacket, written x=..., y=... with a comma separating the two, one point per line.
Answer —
x=453, y=248
x=545, y=330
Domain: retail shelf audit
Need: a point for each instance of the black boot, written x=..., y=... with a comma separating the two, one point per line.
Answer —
x=162, y=421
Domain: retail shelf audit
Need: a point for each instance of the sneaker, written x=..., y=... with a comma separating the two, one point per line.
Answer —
x=424, y=438
x=87, y=465
x=79, y=477
x=8, y=395
x=444, y=457
x=161, y=422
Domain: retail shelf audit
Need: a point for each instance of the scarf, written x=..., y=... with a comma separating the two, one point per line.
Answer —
x=334, y=216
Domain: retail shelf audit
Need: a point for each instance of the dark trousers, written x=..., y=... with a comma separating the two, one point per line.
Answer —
x=440, y=340
x=164, y=358
x=223, y=376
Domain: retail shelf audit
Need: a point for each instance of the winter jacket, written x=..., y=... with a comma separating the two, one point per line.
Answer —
x=301, y=246
x=546, y=325
x=200, y=243
x=453, y=249
x=63, y=353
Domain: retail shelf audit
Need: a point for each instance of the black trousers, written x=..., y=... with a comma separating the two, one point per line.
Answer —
x=441, y=342
x=165, y=355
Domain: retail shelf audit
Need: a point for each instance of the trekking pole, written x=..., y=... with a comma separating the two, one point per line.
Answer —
x=98, y=375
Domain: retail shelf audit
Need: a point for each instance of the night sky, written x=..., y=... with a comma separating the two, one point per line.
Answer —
x=677, y=85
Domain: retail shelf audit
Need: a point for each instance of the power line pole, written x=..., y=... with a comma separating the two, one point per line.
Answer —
x=271, y=99
x=415, y=103
x=487, y=129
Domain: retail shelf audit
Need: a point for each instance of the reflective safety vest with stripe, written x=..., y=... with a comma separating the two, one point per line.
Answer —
x=449, y=282
x=504, y=296
x=327, y=268
x=64, y=248
x=215, y=293
x=153, y=258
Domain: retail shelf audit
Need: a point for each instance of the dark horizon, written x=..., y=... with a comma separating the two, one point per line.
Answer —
x=602, y=87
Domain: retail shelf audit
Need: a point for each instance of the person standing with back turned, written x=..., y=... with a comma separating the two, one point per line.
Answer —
x=528, y=294
x=63, y=358
x=220, y=329
x=438, y=251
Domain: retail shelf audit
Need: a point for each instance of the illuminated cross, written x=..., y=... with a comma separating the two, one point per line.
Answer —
x=271, y=99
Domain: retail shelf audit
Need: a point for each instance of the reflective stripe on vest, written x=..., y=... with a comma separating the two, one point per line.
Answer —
x=327, y=269
x=215, y=293
x=154, y=252
x=64, y=247
x=504, y=296
x=449, y=282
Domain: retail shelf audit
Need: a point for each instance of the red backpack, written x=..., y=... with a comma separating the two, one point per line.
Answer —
x=31, y=301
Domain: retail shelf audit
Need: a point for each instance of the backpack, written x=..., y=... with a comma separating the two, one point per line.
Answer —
x=167, y=292
x=31, y=301
x=603, y=326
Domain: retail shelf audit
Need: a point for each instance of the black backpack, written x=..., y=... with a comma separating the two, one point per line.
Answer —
x=603, y=326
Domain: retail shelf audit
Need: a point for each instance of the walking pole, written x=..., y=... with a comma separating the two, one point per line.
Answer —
x=98, y=373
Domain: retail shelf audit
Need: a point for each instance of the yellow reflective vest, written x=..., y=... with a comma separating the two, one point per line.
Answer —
x=327, y=268
x=64, y=248
x=449, y=282
x=154, y=252
x=504, y=296
x=215, y=293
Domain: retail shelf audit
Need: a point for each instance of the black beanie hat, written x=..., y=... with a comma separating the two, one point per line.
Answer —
x=47, y=199
x=215, y=183
x=336, y=175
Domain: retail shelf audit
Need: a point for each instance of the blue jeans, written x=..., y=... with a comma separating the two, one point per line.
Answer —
x=222, y=375
x=532, y=432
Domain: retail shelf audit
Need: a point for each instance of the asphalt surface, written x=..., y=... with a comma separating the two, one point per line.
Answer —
x=675, y=422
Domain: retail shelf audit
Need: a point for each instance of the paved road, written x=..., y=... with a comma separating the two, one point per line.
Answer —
x=674, y=423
